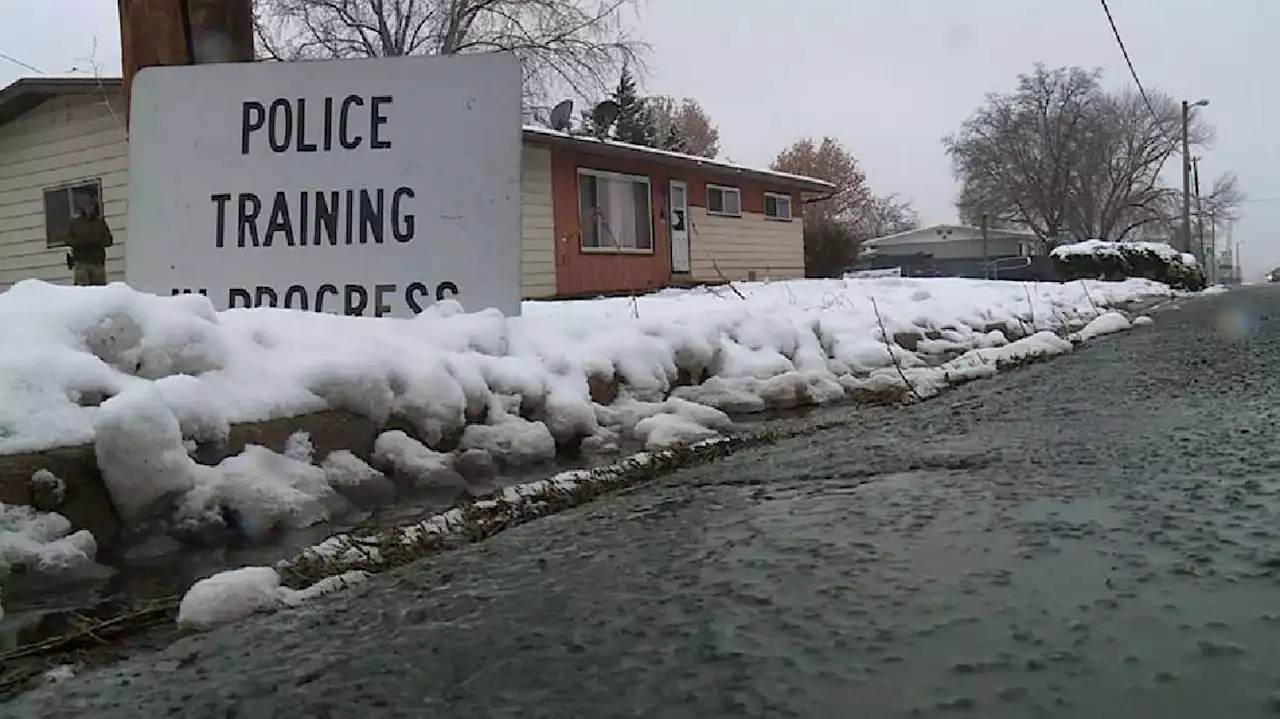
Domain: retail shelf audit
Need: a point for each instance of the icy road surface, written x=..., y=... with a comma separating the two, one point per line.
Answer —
x=1095, y=536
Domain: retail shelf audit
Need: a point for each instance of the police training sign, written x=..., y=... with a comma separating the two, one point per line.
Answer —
x=363, y=187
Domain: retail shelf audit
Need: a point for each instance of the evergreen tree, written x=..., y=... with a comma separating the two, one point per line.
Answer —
x=635, y=121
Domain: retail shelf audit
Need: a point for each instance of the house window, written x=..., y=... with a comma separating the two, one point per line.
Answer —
x=615, y=211
x=723, y=200
x=62, y=203
x=777, y=206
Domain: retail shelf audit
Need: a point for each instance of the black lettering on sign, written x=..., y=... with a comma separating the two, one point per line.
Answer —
x=303, y=145
x=295, y=298
x=411, y=294
x=280, y=222
x=380, y=306
x=220, y=224
x=370, y=217
x=250, y=206
x=348, y=142
x=186, y=291
x=252, y=117
x=320, y=293
x=377, y=120
x=286, y=123
x=327, y=216
x=403, y=231
x=310, y=218
x=264, y=296
x=237, y=297
x=356, y=300
x=280, y=119
x=445, y=290
x=328, y=124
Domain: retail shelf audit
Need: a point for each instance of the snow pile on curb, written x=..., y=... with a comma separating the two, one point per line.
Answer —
x=1104, y=324
x=234, y=595
x=151, y=380
x=33, y=541
x=344, y=559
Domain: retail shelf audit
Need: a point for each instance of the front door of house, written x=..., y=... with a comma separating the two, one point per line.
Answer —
x=678, y=222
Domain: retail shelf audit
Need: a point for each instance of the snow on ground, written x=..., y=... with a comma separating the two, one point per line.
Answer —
x=150, y=380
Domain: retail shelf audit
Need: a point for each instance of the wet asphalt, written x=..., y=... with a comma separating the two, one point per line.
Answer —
x=1095, y=536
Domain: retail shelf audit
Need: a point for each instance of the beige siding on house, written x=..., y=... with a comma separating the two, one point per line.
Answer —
x=740, y=245
x=537, y=224
x=62, y=141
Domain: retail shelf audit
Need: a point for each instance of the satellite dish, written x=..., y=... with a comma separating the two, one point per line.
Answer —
x=562, y=116
x=604, y=116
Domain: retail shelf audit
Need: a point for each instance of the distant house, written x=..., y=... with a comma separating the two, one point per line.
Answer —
x=956, y=251
x=596, y=216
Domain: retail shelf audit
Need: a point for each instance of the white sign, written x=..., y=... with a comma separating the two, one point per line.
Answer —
x=363, y=187
x=873, y=274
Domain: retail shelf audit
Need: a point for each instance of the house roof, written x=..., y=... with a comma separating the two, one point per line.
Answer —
x=588, y=143
x=26, y=93
x=933, y=233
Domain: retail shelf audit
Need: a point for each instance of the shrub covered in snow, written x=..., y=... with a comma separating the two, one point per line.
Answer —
x=1099, y=259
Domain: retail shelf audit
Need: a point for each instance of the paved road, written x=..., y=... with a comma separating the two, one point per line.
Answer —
x=1092, y=537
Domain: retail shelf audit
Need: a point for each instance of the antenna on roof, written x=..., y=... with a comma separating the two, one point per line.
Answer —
x=603, y=117
x=562, y=116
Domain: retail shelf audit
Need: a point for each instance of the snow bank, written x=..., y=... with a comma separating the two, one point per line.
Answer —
x=240, y=593
x=149, y=381
x=33, y=541
x=41, y=541
x=1105, y=324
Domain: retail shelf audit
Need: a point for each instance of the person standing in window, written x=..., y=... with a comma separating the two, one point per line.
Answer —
x=88, y=238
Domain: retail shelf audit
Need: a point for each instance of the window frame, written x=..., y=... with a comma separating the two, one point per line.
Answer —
x=52, y=239
x=611, y=175
x=723, y=188
x=775, y=196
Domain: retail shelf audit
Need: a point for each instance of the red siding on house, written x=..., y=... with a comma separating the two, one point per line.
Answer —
x=579, y=272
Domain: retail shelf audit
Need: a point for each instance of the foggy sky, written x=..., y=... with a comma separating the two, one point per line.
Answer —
x=887, y=78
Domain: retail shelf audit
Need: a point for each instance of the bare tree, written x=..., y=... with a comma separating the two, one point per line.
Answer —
x=1062, y=155
x=684, y=126
x=581, y=44
x=835, y=226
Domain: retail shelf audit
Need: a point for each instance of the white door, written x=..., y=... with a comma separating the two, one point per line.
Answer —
x=678, y=222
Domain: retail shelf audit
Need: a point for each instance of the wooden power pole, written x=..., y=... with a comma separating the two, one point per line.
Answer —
x=182, y=32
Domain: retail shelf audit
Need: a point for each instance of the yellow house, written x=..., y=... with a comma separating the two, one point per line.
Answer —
x=670, y=217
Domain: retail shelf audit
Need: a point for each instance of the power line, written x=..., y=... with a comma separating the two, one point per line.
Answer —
x=1132, y=71
x=20, y=63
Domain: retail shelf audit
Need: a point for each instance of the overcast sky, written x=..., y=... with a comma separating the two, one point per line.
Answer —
x=888, y=78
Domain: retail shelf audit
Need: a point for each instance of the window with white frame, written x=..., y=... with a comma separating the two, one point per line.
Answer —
x=724, y=200
x=777, y=206
x=616, y=211
x=62, y=203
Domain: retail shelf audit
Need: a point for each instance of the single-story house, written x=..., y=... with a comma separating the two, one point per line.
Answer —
x=597, y=216
x=949, y=242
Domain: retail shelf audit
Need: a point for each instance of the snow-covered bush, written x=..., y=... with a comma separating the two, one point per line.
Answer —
x=1099, y=259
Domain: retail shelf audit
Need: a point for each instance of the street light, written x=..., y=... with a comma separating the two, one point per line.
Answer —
x=1186, y=171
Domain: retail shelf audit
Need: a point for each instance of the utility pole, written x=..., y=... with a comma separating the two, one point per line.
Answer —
x=1195, y=172
x=986, y=258
x=1213, y=248
x=1186, y=177
x=182, y=32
